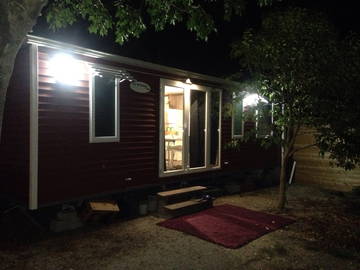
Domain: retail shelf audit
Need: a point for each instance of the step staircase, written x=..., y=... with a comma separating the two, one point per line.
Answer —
x=182, y=201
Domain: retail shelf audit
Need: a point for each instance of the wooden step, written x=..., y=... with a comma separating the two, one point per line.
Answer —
x=186, y=207
x=179, y=191
x=180, y=205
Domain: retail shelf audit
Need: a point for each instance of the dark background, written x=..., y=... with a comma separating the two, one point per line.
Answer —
x=179, y=48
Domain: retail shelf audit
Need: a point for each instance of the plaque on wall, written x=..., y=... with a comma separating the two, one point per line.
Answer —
x=140, y=87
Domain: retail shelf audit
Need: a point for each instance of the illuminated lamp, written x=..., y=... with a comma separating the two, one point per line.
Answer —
x=253, y=100
x=188, y=81
x=65, y=68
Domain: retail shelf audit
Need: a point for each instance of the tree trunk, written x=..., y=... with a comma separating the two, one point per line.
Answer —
x=282, y=187
x=289, y=138
x=17, y=18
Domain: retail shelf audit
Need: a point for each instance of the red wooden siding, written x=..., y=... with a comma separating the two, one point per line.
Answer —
x=70, y=167
x=14, y=145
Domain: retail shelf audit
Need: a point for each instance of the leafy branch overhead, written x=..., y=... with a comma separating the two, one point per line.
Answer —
x=129, y=19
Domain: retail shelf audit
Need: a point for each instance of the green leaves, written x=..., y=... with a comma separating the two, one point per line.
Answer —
x=99, y=18
x=197, y=19
x=311, y=77
x=128, y=19
x=264, y=3
x=233, y=8
x=61, y=14
x=163, y=13
x=339, y=131
x=128, y=23
x=201, y=23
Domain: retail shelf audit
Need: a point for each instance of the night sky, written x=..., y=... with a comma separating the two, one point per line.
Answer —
x=179, y=48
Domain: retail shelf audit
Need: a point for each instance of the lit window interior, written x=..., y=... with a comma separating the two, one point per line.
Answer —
x=174, y=113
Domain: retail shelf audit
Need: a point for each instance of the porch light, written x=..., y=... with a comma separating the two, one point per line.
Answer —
x=253, y=100
x=188, y=81
x=65, y=68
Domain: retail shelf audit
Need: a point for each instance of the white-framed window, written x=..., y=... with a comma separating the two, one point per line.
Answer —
x=251, y=114
x=237, y=116
x=190, y=128
x=104, y=107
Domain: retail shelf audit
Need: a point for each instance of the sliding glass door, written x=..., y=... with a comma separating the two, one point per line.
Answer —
x=189, y=128
x=197, y=136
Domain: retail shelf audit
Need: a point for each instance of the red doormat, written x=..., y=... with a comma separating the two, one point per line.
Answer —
x=227, y=225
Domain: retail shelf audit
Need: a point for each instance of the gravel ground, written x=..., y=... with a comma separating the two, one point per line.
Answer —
x=325, y=236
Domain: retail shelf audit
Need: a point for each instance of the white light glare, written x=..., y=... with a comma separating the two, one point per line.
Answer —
x=253, y=100
x=65, y=68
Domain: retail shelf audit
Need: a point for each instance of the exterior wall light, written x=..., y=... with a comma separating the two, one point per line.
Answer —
x=253, y=100
x=188, y=81
x=65, y=69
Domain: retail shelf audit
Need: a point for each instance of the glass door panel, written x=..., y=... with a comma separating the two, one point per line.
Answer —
x=190, y=128
x=214, y=128
x=197, y=128
x=173, y=128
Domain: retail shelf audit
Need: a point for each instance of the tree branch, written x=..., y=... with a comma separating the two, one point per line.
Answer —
x=301, y=148
x=294, y=135
x=307, y=133
x=291, y=139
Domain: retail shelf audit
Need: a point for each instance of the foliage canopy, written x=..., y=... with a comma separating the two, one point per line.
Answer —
x=310, y=76
x=338, y=107
x=128, y=19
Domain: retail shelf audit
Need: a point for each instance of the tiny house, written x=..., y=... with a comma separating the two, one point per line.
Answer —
x=80, y=123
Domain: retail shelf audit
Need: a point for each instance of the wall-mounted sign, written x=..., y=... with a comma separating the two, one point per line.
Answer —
x=140, y=87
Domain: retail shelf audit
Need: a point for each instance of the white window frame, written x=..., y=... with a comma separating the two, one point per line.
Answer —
x=237, y=136
x=186, y=132
x=103, y=139
x=233, y=135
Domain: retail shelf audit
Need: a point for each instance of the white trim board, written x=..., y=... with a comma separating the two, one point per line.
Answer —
x=49, y=43
x=34, y=129
x=92, y=105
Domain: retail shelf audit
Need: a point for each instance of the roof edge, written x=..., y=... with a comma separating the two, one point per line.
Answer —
x=50, y=43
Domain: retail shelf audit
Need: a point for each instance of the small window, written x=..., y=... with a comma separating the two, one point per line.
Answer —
x=264, y=119
x=104, y=108
x=251, y=114
x=238, y=127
